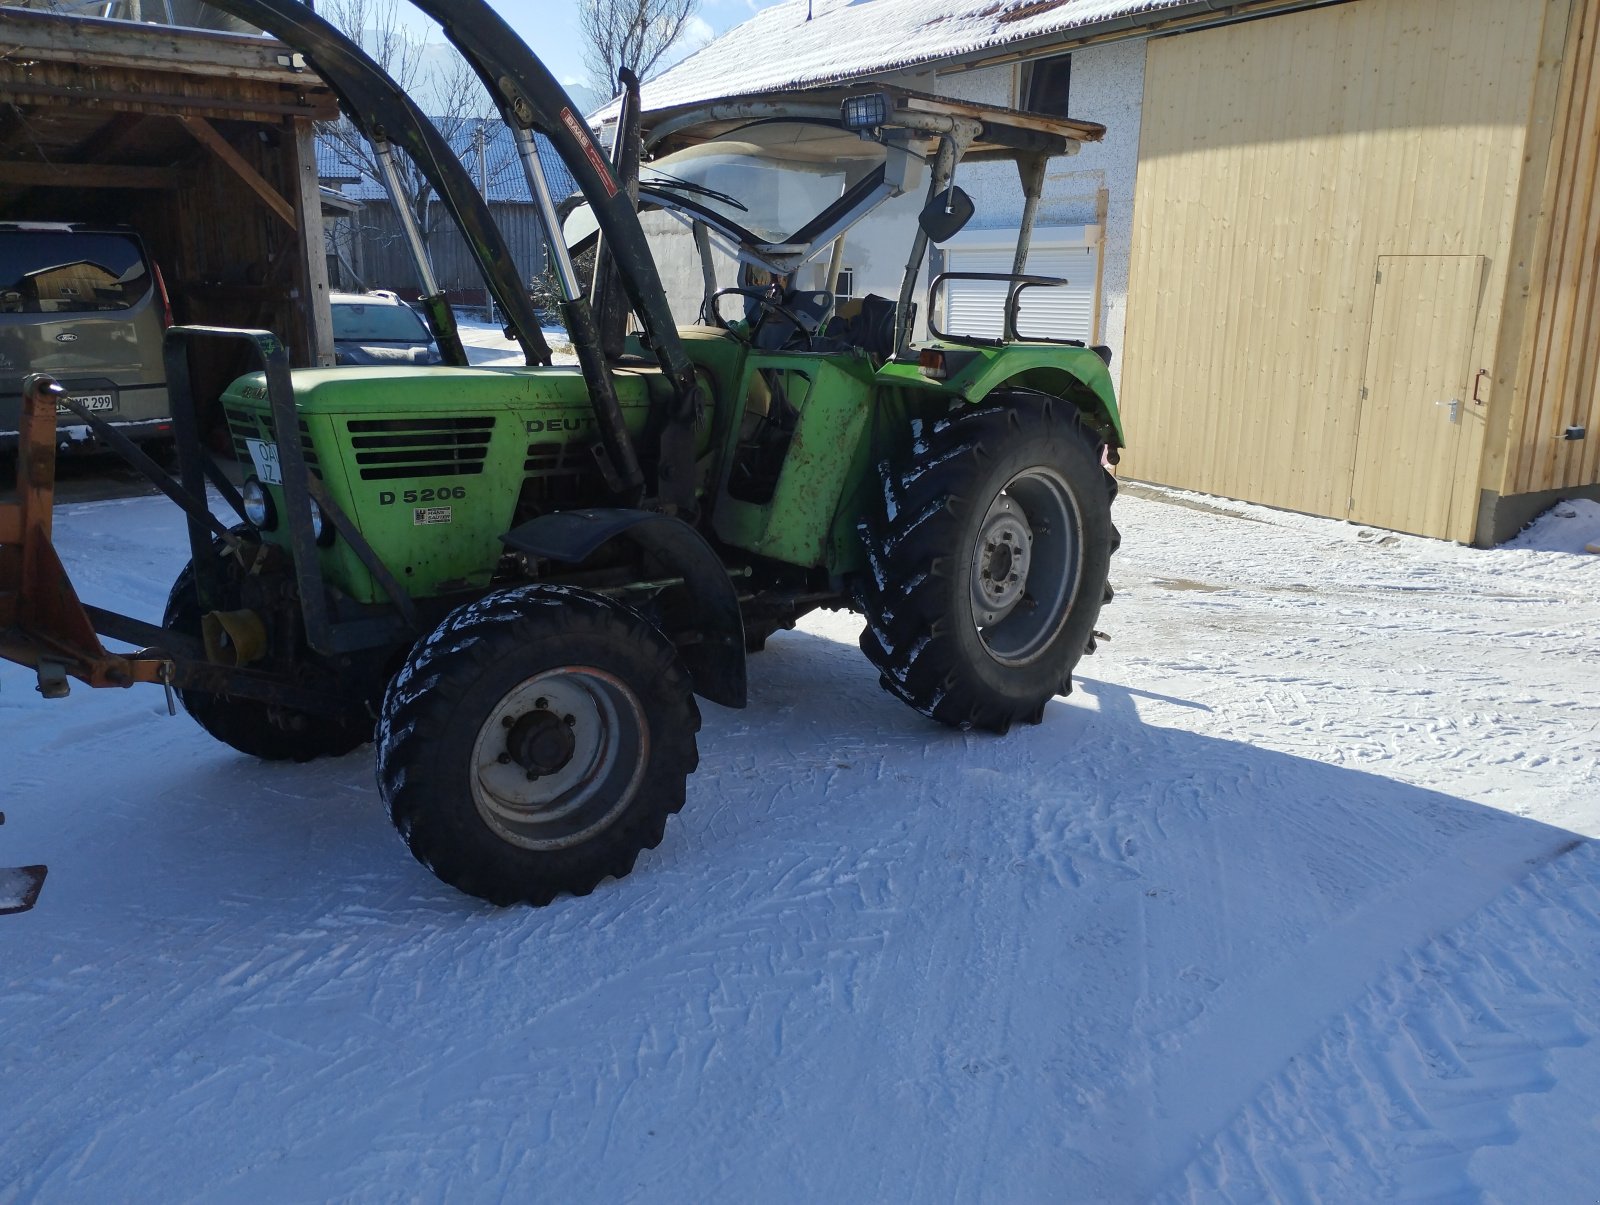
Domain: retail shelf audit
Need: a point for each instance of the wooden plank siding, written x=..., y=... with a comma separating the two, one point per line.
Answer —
x=386, y=262
x=1279, y=160
x=1558, y=369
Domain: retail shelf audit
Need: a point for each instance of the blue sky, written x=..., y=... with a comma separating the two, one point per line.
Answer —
x=551, y=28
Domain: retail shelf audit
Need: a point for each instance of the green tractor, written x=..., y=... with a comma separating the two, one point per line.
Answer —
x=515, y=580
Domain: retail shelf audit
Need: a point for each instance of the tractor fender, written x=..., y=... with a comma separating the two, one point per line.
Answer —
x=1086, y=383
x=712, y=643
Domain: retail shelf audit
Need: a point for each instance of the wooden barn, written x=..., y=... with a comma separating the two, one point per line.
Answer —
x=201, y=140
x=1366, y=263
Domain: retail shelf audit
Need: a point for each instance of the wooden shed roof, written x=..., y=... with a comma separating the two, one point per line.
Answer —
x=82, y=100
x=119, y=66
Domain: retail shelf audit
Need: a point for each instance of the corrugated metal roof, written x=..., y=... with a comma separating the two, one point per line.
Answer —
x=506, y=180
x=331, y=168
x=806, y=43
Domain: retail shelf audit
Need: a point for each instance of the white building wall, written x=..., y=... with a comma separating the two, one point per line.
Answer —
x=1107, y=87
x=1095, y=186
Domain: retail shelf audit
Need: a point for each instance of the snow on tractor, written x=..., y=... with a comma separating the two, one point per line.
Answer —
x=516, y=580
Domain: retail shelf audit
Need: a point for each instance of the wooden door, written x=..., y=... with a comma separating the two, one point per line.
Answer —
x=1416, y=392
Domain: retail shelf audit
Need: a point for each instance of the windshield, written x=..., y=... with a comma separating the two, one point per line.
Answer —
x=58, y=271
x=377, y=323
x=765, y=180
x=771, y=178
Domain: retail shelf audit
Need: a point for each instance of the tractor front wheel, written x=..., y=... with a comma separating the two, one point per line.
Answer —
x=988, y=560
x=536, y=742
x=249, y=725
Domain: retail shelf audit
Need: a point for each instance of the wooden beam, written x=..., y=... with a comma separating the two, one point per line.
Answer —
x=14, y=129
x=89, y=175
x=113, y=135
x=240, y=105
x=206, y=134
x=313, y=267
x=91, y=41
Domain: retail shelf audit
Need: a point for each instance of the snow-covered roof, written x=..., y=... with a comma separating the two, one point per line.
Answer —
x=506, y=180
x=805, y=43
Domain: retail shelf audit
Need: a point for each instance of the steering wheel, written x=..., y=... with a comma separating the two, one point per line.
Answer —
x=765, y=300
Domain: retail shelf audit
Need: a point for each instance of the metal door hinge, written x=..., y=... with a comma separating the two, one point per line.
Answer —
x=1455, y=408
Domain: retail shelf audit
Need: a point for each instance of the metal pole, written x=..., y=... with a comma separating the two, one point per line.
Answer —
x=708, y=274
x=482, y=140
x=1031, y=171
x=619, y=461
x=528, y=153
x=384, y=155
x=944, y=169
x=835, y=263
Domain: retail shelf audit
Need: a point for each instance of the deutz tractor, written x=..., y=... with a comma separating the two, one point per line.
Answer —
x=515, y=580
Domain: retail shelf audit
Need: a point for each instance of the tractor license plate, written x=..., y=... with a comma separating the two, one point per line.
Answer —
x=265, y=457
x=94, y=403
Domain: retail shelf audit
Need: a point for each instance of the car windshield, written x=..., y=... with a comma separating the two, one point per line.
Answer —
x=375, y=322
x=69, y=272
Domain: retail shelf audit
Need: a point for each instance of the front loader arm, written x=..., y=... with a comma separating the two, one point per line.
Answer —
x=382, y=110
x=531, y=98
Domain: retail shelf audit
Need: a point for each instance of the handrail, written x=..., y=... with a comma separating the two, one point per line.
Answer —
x=1019, y=281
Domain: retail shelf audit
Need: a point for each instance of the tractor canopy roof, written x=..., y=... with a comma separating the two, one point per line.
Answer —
x=778, y=176
x=1002, y=133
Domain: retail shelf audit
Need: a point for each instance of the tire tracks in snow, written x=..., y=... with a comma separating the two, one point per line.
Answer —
x=1393, y=1097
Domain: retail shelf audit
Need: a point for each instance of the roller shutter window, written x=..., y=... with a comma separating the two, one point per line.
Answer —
x=977, y=307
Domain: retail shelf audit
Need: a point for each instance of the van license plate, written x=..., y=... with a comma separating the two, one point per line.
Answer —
x=265, y=457
x=94, y=403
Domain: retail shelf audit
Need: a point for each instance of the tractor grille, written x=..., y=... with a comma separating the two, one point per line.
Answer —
x=559, y=475
x=243, y=425
x=391, y=448
x=553, y=457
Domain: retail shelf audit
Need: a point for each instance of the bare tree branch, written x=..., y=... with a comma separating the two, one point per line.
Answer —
x=442, y=84
x=630, y=33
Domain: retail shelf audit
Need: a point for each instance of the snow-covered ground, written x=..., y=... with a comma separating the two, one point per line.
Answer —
x=486, y=342
x=1294, y=899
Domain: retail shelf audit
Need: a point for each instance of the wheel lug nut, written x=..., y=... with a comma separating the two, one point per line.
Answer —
x=569, y=720
x=541, y=704
x=507, y=722
x=532, y=777
x=504, y=759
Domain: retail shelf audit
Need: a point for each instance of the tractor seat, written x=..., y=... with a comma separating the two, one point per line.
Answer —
x=866, y=323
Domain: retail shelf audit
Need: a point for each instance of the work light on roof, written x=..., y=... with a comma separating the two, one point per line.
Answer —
x=865, y=112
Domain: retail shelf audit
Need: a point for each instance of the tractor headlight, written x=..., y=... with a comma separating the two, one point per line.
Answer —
x=865, y=112
x=258, y=508
x=321, y=529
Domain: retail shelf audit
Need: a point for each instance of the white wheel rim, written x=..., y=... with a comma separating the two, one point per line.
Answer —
x=1026, y=563
x=541, y=790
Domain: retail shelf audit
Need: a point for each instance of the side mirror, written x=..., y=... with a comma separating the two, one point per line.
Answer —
x=946, y=214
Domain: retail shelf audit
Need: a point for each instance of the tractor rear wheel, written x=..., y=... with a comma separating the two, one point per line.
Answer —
x=988, y=559
x=249, y=725
x=536, y=742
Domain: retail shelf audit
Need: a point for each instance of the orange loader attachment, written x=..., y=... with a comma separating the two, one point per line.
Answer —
x=43, y=624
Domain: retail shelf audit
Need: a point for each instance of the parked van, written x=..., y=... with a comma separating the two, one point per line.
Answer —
x=84, y=304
